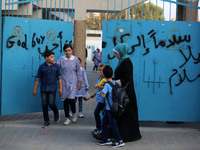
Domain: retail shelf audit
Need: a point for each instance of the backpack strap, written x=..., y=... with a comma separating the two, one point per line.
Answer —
x=112, y=85
x=108, y=102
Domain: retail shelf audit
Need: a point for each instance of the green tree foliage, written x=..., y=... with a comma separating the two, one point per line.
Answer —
x=146, y=15
x=94, y=20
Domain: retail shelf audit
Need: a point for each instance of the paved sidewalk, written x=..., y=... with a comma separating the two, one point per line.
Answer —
x=24, y=132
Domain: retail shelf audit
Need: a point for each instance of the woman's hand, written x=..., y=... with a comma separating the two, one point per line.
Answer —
x=79, y=85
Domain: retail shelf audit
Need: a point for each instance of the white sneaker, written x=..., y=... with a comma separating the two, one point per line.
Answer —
x=80, y=115
x=67, y=122
x=74, y=117
x=70, y=114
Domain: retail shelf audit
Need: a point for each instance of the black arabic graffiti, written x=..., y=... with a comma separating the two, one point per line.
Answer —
x=196, y=60
x=175, y=40
x=121, y=38
x=181, y=79
x=133, y=47
x=152, y=35
x=104, y=44
x=115, y=43
x=162, y=43
x=185, y=76
x=180, y=40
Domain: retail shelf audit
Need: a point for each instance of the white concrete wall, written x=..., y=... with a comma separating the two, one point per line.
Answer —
x=81, y=6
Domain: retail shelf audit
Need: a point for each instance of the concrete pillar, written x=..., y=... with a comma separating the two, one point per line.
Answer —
x=80, y=40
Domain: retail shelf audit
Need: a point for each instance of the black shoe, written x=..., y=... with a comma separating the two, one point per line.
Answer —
x=98, y=135
x=46, y=124
x=92, y=132
x=57, y=117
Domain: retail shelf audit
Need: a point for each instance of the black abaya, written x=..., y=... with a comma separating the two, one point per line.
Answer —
x=128, y=123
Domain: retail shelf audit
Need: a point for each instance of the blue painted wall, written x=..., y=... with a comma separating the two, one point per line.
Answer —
x=92, y=52
x=0, y=46
x=24, y=41
x=166, y=58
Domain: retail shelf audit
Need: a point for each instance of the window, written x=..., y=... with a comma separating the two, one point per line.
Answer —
x=93, y=35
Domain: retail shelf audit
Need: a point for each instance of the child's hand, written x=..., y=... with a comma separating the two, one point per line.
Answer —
x=34, y=92
x=92, y=96
x=96, y=86
x=86, y=98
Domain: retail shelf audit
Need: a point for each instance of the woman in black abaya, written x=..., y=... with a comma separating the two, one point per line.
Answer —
x=128, y=123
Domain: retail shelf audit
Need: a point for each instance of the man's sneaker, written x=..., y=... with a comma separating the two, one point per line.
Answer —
x=46, y=124
x=57, y=117
x=67, y=122
x=74, y=117
x=80, y=115
x=105, y=142
x=118, y=144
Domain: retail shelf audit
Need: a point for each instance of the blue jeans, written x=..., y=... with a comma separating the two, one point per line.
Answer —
x=98, y=109
x=48, y=99
x=109, y=119
x=70, y=102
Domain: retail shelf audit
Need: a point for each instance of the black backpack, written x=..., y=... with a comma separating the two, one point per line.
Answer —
x=120, y=99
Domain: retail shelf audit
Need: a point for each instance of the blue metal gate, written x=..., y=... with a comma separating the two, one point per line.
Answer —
x=165, y=55
x=166, y=60
x=24, y=41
